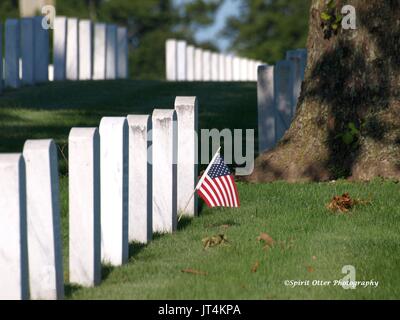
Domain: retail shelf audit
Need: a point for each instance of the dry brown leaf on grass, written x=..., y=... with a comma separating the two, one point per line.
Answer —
x=310, y=269
x=267, y=239
x=255, y=267
x=196, y=272
x=344, y=203
x=214, y=241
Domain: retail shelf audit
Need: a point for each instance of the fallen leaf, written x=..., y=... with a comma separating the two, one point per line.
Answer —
x=255, y=267
x=314, y=258
x=267, y=239
x=196, y=272
x=214, y=241
x=344, y=203
x=310, y=269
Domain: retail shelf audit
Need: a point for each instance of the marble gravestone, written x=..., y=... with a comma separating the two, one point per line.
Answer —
x=72, y=69
x=60, y=48
x=111, y=52
x=214, y=67
x=140, y=179
x=165, y=143
x=266, y=108
x=181, y=60
x=46, y=278
x=99, y=52
x=85, y=50
x=42, y=51
x=122, y=55
x=170, y=60
x=221, y=67
x=229, y=68
x=198, y=64
x=236, y=69
x=283, y=92
x=14, y=277
x=250, y=70
x=114, y=175
x=187, y=114
x=299, y=59
x=28, y=50
x=12, y=53
x=243, y=69
x=190, y=63
x=84, y=207
x=206, y=65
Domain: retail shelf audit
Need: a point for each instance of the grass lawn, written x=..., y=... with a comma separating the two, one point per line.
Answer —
x=310, y=242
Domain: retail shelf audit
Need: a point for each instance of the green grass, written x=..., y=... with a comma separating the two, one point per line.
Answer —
x=308, y=237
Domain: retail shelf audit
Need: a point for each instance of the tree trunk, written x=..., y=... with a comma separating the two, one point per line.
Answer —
x=347, y=123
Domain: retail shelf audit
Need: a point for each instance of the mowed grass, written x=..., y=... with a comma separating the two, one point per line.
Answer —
x=310, y=242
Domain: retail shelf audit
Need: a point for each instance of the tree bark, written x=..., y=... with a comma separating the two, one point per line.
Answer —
x=347, y=123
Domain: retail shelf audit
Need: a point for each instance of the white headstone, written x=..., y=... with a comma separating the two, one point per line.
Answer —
x=181, y=60
x=42, y=51
x=51, y=72
x=99, y=52
x=206, y=65
x=111, y=52
x=170, y=60
x=114, y=173
x=243, y=69
x=140, y=179
x=46, y=278
x=14, y=278
x=187, y=114
x=283, y=92
x=266, y=108
x=250, y=70
x=85, y=50
x=190, y=63
x=60, y=48
x=229, y=68
x=12, y=53
x=214, y=66
x=165, y=143
x=221, y=66
x=72, y=71
x=28, y=50
x=299, y=59
x=84, y=207
x=236, y=69
x=198, y=64
x=122, y=43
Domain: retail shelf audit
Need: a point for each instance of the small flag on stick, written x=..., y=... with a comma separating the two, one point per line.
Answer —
x=217, y=186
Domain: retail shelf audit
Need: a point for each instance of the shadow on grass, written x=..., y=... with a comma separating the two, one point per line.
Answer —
x=70, y=289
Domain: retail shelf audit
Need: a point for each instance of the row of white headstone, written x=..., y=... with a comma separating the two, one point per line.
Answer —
x=186, y=63
x=81, y=51
x=127, y=179
x=278, y=91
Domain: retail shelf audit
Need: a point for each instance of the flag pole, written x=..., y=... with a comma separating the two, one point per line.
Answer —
x=200, y=182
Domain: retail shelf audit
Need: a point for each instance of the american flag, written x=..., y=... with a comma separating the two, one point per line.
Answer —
x=217, y=186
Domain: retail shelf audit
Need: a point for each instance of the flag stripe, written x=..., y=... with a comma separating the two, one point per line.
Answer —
x=210, y=192
x=205, y=197
x=227, y=189
x=219, y=190
x=232, y=190
x=216, y=191
x=236, y=192
x=222, y=188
